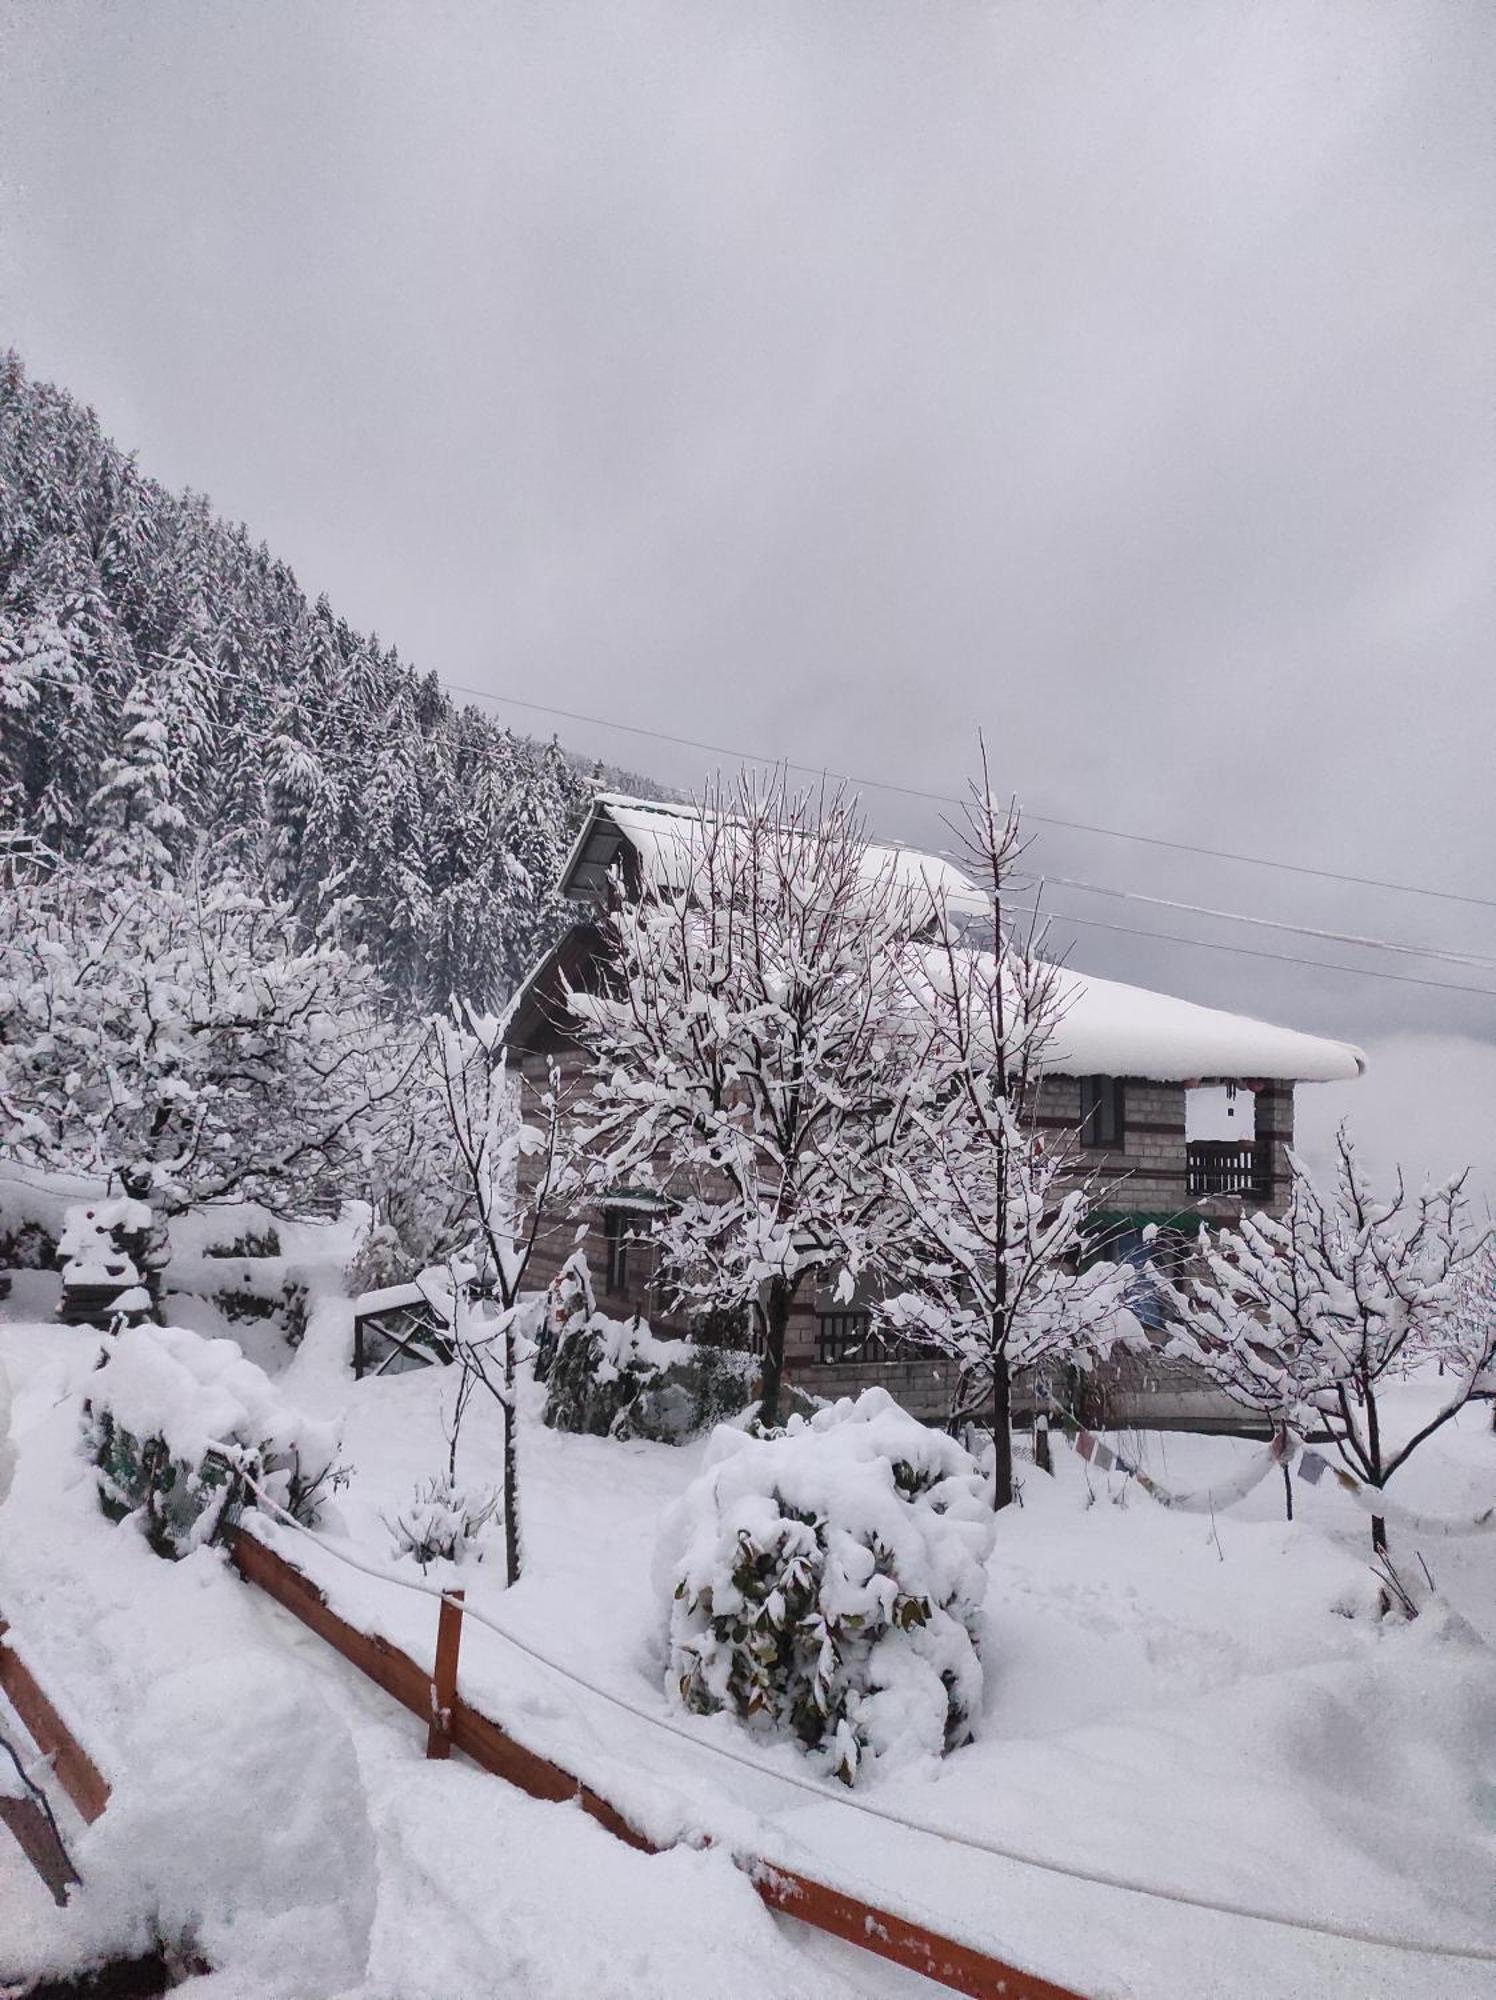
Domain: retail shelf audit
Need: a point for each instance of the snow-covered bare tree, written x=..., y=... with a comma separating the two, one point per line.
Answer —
x=749, y=1033
x=185, y=1037
x=983, y=1238
x=1307, y=1316
x=506, y=1209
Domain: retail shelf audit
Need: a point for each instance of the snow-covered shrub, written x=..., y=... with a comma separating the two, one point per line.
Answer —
x=178, y=1427
x=27, y=1246
x=613, y=1378
x=827, y=1583
x=569, y=1302
x=444, y=1522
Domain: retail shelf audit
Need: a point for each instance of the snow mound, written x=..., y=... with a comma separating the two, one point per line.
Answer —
x=243, y=1826
x=827, y=1582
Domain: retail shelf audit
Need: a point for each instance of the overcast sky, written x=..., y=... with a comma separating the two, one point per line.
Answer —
x=829, y=380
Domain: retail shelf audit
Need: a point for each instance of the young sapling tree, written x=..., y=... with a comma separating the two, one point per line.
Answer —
x=983, y=1233
x=508, y=1172
x=1310, y=1315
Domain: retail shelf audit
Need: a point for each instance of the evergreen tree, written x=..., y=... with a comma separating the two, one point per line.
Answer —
x=167, y=689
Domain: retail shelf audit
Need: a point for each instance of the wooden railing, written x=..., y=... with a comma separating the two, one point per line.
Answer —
x=1229, y=1167
x=454, y=1722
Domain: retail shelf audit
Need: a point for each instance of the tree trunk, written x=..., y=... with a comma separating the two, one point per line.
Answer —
x=511, y=1463
x=1287, y=1494
x=1002, y=1433
x=776, y=1319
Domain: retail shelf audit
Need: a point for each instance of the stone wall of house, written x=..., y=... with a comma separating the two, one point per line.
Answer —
x=1147, y=1174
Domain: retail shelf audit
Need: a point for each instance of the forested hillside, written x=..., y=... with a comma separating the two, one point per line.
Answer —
x=168, y=695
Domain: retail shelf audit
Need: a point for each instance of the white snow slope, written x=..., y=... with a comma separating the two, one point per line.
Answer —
x=1207, y=1707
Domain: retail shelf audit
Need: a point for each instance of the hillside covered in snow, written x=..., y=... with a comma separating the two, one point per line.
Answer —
x=150, y=650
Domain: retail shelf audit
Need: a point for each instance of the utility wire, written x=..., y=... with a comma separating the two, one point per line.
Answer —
x=1252, y=951
x=1359, y=942
x=335, y=708
x=1100, y=1877
x=945, y=799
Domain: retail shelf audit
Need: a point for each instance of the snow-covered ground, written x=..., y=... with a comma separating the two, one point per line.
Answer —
x=1207, y=1707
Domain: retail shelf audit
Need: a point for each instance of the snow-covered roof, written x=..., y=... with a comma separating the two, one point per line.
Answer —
x=1107, y=1028
x=662, y=837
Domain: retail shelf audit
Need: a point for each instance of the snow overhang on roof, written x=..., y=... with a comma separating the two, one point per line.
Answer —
x=1109, y=1029
x=660, y=836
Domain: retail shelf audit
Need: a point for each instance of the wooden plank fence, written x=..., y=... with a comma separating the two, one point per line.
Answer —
x=29, y=1817
x=454, y=1723
x=76, y=1771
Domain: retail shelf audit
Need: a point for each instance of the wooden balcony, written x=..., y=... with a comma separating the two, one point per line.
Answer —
x=1229, y=1167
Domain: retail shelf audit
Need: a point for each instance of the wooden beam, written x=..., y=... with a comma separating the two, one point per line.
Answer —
x=444, y=1675
x=384, y=1664
x=900, y=1940
x=76, y=1771
x=960, y=1967
x=40, y=1842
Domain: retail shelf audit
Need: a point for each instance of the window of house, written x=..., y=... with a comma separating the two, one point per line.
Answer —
x=1102, y=1111
x=621, y=1237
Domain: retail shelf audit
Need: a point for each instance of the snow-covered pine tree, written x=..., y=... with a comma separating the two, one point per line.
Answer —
x=108, y=582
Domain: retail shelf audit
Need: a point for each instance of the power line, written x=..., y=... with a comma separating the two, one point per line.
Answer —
x=1252, y=951
x=945, y=799
x=334, y=707
x=1465, y=958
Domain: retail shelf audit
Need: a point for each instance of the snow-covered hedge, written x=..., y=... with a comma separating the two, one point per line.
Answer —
x=613, y=1378
x=826, y=1582
x=178, y=1426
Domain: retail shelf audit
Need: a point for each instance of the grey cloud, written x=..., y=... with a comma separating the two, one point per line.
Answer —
x=833, y=380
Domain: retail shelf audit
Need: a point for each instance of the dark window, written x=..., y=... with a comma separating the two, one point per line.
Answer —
x=618, y=1226
x=1102, y=1111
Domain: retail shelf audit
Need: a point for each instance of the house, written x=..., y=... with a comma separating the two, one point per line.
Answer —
x=1184, y=1112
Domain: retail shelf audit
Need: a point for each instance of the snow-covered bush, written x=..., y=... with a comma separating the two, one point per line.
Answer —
x=613, y=1378
x=570, y=1301
x=827, y=1583
x=178, y=1427
x=444, y=1522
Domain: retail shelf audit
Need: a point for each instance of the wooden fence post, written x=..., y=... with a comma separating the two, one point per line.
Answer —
x=444, y=1679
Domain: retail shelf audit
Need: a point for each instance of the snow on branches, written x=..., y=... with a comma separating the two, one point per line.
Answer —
x=504, y=1208
x=749, y=1029
x=1306, y=1316
x=983, y=1232
x=184, y=1039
